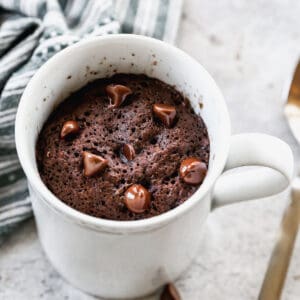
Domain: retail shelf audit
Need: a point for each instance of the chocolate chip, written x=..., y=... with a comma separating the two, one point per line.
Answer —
x=69, y=128
x=166, y=113
x=93, y=164
x=117, y=94
x=137, y=198
x=192, y=170
x=128, y=151
x=170, y=293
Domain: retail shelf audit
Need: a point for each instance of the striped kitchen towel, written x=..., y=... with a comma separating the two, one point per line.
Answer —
x=31, y=32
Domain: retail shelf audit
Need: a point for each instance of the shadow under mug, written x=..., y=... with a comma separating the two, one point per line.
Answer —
x=128, y=259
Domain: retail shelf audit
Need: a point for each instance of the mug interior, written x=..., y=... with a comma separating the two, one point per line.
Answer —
x=100, y=57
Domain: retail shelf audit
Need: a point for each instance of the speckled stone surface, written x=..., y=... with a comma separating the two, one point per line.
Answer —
x=250, y=48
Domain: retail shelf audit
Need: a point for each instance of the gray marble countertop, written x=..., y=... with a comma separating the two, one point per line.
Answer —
x=250, y=48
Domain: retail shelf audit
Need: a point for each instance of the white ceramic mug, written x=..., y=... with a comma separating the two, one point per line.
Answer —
x=127, y=259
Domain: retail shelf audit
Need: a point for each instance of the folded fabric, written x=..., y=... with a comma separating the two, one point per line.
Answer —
x=33, y=31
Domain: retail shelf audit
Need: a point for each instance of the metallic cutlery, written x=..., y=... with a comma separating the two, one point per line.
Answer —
x=279, y=262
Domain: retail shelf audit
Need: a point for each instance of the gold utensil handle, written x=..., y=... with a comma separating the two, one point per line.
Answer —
x=279, y=262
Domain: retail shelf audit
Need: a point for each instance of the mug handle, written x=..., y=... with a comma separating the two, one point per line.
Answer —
x=254, y=149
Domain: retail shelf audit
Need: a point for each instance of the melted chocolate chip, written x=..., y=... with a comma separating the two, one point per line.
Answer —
x=117, y=94
x=93, y=164
x=128, y=151
x=166, y=113
x=193, y=170
x=69, y=128
x=137, y=198
x=170, y=293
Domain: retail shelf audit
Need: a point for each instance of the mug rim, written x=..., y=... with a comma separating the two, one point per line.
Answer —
x=106, y=225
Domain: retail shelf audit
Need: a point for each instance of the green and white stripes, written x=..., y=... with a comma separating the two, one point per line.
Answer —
x=31, y=31
x=156, y=18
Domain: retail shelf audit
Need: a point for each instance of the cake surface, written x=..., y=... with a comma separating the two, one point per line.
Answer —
x=158, y=150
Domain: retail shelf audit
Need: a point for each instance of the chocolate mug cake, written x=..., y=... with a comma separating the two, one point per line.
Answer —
x=123, y=148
